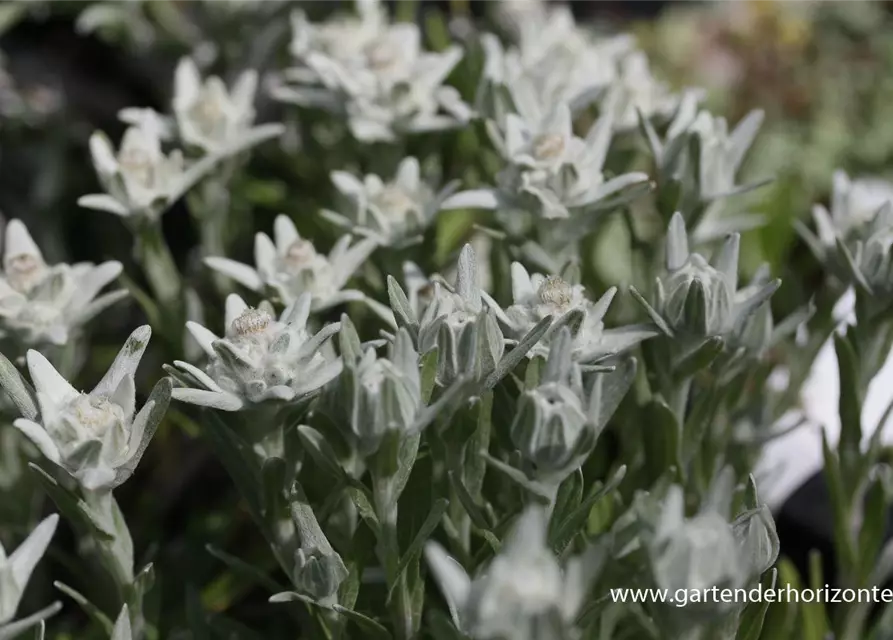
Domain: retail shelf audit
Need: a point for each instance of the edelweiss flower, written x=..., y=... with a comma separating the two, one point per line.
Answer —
x=15, y=571
x=95, y=436
x=636, y=89
x=373, y=73
x=259, y=358
x=140, y=180
x=290, y=267
x=854, y=203
x=524, y=594
x=551, y=174
x=213, y=119
x=721, y=152
x=537, y=296
x=393, y=213
x=45, y=304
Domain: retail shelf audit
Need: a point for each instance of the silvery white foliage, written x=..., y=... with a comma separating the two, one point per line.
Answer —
x=374, y=73
x=536, y=296
x=698, y=298
x=318, y=569
x=707, y=550
x=140, y=180
x=395, y=213
x=95, y=436
x=287, y=266
x=214, y=119
x=868, y=257
x=46, y=304
x=524, y=594
x=259, y=359
x=375, y=395
x=557, y=422
x=122, y=629
x=854, y=204
x=16, y=569
x=550, y=172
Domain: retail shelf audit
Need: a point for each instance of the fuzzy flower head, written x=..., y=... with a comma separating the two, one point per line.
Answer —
x=43, y=304
x=97, y=437
x=211, y=117
x=636, y=90
x=16, y=570
x=393, y=213
x=373, y=73
x=536, y=296
x=259, y=359
x=139, y=180
x=524, y=594
x=288, y=266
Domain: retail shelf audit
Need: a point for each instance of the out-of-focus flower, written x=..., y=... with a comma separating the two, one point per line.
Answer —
x=259, y=359
x=44, y=304
x=374, y=74
x=854, y=204
x=95, y=436
x=524, y=593
x=216, y=120
x=290, y=266
x=393, y=213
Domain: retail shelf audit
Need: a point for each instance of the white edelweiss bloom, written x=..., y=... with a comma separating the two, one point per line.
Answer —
x=536, y=296
x=140, y=180
x=95, y=436
x=374, y=73
x=524, y=593
x=551, y=173
x=289, y=266
x=636, y=88
x=393, y=213
x=155, y=123
x=214, y=119
x=259, y=358
x=16, y=570
x=722, y=152
x=44, y=304
x=854, y=203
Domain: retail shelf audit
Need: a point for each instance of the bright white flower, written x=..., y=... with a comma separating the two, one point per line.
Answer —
x=291, y=266
x=373, y=73
x=393, y=213
x=854, y=203
x=551, y=173
x=95, y=436
x=216, y=120
x=43, y=304
x=15, y=571
x=536, y=296
x=636, y=88
x=524, y=594
x=140, y=180
x=259, y=358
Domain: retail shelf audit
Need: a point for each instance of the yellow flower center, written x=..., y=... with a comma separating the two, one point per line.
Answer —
x=548, y=146
x=555, y=292
x=252, y=321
